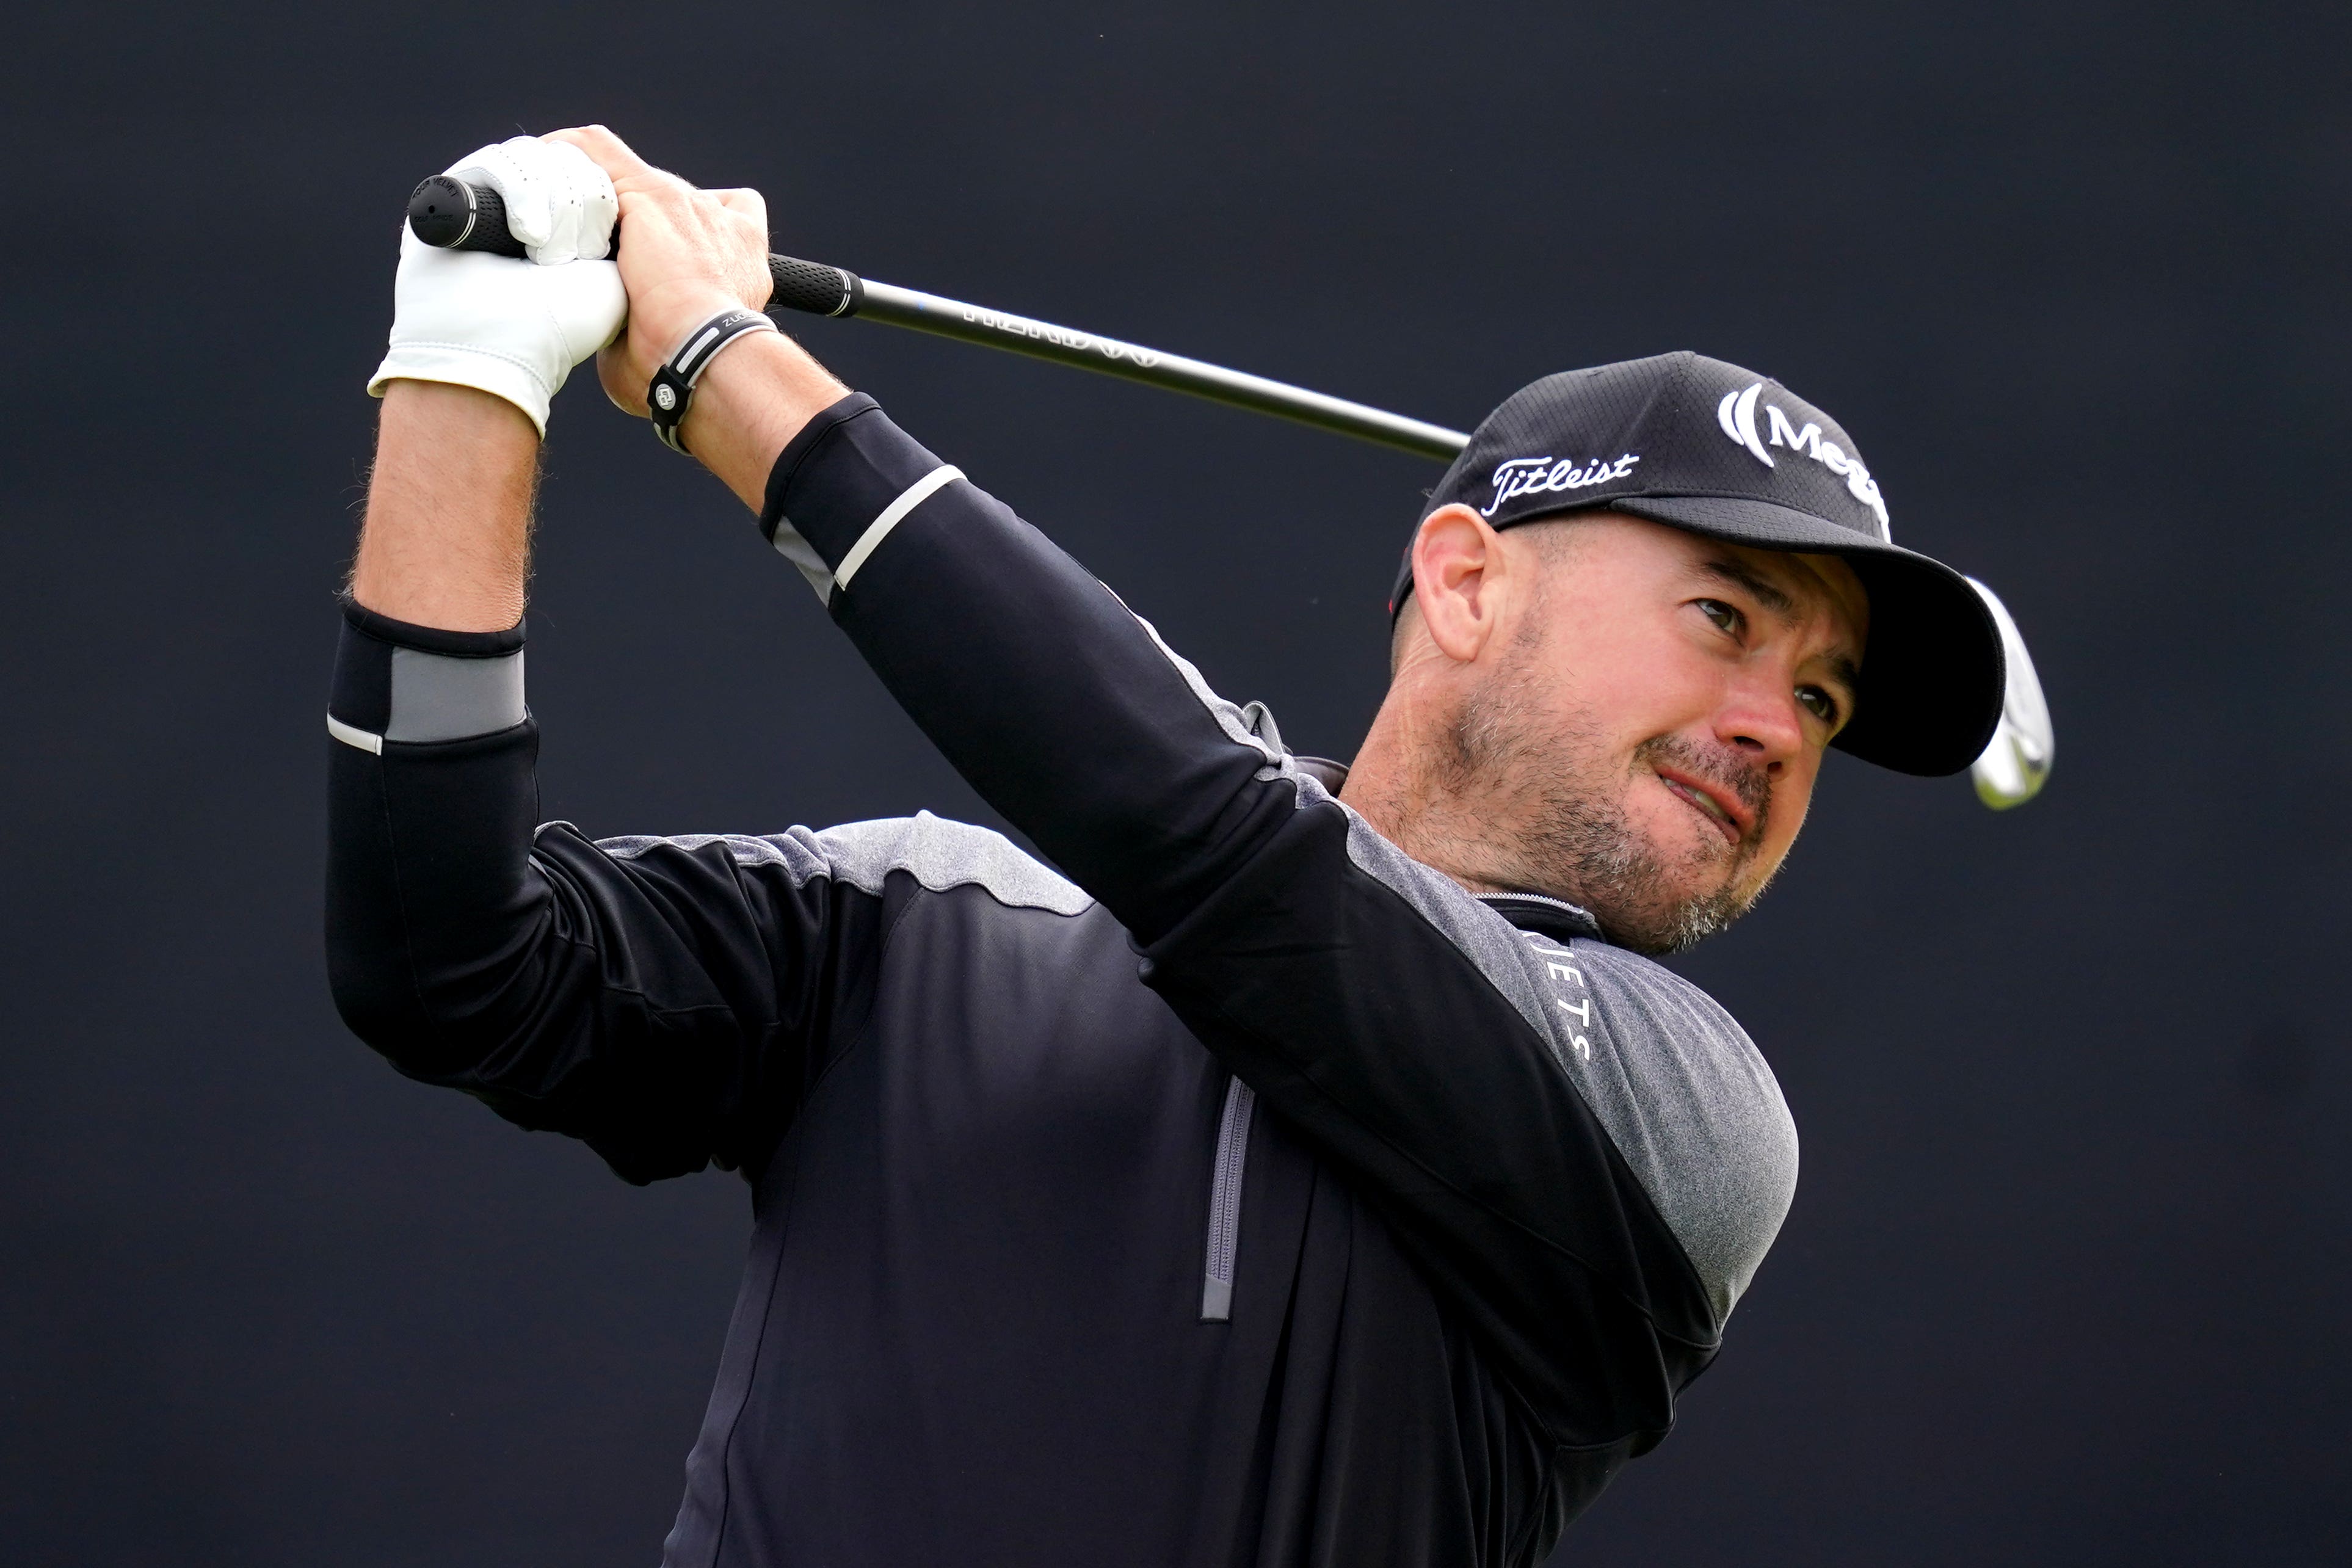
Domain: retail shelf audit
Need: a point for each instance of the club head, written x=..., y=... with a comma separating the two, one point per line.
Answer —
x=2016, y=766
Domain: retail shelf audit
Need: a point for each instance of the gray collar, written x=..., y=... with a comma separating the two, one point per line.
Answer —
x=1554, y=918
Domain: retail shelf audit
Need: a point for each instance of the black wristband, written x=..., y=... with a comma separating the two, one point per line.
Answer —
x=673, y=385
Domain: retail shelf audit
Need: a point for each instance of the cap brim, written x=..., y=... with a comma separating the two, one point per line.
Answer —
x=1933, y=675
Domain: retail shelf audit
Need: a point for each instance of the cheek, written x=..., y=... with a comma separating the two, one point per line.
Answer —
x=1792, y=797
x=1629, y=688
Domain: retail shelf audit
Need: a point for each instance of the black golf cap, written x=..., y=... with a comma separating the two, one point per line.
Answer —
x=1717, y=450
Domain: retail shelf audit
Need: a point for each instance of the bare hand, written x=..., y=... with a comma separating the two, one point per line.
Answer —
x=688, y=255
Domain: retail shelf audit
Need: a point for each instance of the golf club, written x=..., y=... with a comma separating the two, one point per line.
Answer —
x=458, y=215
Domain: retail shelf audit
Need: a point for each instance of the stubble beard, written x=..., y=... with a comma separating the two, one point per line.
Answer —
x=1561, y=804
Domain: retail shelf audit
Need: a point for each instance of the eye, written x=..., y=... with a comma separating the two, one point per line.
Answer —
x=1727, y=619
x=1818, y=703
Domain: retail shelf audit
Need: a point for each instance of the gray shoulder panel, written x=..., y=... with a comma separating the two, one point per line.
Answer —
x=1689, y=1101
x=941, y=855
x=1680, y=1089
x=937, y=853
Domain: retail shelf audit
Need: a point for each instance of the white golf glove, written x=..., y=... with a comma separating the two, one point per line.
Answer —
x=513, y=327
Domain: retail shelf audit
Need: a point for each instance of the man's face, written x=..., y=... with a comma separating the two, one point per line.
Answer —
x=1646, y=725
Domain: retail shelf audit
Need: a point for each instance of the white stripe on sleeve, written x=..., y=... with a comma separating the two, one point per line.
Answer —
x=351, y=735
x=892, y=515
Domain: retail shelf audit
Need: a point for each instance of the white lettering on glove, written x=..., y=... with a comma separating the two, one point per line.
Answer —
x=508, y=327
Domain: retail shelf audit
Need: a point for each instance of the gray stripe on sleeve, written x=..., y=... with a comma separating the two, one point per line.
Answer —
x=1252, y=726
x=438, y=696
x=794, y=548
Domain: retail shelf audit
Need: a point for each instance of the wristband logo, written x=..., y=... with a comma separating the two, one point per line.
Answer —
x=1533, y=476
x=1737, y=415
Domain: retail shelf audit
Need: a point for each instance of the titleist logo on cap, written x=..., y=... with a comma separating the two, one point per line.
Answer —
x=1532, y=476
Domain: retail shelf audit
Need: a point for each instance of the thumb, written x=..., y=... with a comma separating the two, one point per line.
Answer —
x=588, y=302
x=621, y=389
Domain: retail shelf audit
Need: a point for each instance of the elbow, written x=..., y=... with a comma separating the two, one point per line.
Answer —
x=381, y=995
x=446, y=1013
x=377, y=998
x=433, y=984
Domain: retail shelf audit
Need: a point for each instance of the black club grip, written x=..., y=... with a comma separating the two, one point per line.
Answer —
x=457, y=215
x=813, y=288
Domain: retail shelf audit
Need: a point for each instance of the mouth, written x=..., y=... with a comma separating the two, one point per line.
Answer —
x=1723, y=810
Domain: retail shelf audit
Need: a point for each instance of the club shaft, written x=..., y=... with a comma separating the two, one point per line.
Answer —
x=459, y=213
x=921, y=312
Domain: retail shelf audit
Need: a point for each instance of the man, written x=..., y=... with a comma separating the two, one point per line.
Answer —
x=1030, y=1281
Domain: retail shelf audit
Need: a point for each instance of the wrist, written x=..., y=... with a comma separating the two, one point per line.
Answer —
x=670, y=397
x=750, y=405
x=508, y=328
x=445, y=540
x=656, y=334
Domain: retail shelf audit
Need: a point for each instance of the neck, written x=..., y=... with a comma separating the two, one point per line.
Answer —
x=1398, y=783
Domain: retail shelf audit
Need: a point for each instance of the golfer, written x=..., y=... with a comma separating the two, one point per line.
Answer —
x=1307, y=1166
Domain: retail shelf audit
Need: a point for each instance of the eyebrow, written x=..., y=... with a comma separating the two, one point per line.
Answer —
x=1768, y=593
x=1775, y=598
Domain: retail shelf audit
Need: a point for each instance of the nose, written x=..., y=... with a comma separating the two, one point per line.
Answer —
x=1761, y=717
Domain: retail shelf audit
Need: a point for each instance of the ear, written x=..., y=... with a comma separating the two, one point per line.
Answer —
x=1457, y=568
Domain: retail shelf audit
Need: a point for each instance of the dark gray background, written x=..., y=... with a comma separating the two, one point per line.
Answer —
x=2065, y=1280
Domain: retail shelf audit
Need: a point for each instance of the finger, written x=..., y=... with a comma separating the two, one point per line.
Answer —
x=581, y=204
x=749, y=207
x=517, y=169
x=634, y=199
x=611, y=154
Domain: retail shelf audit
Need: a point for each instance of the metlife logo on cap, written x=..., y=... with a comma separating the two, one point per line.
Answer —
x=1701, y=445
x=1737, y=415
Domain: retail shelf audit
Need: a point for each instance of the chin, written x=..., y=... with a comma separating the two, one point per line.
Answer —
x=1688, y=850
x=1672, y=891
x=1654, y=871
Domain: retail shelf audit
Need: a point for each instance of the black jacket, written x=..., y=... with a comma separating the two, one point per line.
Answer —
x=1032, y=1279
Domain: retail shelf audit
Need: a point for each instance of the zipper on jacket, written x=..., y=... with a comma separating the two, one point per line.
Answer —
x=1225, y=1202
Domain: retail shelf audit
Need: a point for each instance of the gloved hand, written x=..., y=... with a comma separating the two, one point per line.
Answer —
x=513, y=327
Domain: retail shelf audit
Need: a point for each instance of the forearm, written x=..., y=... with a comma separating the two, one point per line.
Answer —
x=446, y=541
x=432, y=795
x=1057, y=703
